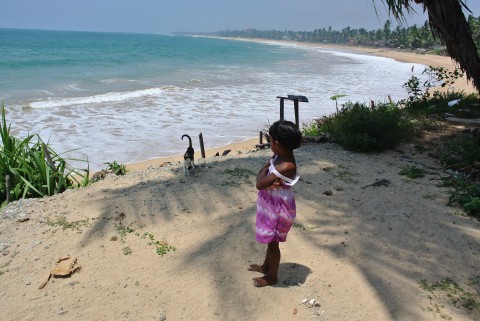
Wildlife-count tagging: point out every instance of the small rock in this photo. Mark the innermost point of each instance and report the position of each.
(33, 245)
(22, 217)
(311, 302)
(3, 246)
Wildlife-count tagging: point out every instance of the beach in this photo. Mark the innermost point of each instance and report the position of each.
(155, 244)
(128, 98)
(460, 84)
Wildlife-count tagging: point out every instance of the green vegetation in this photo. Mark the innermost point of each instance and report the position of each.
(299, 225)
(161, 247)
(413, 37)
(346, 176)
(465, 193)
(362, 128)
(311, 129)
(30, 168)
(412, 172)
(456, 294)
(124, 230)
(62, 221)
(461, 152)
(117, 169)
(239, 175)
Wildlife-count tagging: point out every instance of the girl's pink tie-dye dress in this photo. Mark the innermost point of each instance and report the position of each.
(275, 209)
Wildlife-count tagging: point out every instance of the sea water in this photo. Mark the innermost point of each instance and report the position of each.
(130, 97)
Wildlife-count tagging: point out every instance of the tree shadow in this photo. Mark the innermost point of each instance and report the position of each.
(389, 242)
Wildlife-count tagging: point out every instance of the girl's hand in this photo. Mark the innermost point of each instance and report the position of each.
(276, 183)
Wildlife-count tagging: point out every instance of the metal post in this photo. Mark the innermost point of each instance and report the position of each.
(202, 147)
(295, 105)
(282, 107)
(260, 138)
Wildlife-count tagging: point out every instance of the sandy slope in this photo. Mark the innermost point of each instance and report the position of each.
(360, 253)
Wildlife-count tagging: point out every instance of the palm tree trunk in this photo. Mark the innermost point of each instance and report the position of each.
(447, 20)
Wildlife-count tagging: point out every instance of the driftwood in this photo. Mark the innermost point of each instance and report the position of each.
(464, 121)
(7, 188)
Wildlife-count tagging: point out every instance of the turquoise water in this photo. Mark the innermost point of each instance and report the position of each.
(130, 97)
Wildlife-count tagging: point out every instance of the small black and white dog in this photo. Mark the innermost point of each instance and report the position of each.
(188, 157)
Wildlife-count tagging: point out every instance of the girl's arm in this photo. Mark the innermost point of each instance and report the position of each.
(264, 181)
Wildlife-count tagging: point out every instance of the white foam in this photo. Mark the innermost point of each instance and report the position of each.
(229, 105)
(96, 99)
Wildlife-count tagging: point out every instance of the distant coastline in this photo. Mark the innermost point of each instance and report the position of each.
(398, 55)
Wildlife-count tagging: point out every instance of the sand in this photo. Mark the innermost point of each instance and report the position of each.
(364, 238)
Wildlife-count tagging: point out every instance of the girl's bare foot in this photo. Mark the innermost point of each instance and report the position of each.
(264, 281)
(256, 268)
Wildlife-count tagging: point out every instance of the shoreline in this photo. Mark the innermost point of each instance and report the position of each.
(249, 144)
(235, 148)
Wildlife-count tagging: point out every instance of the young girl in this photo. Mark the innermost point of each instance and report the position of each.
(275, 202)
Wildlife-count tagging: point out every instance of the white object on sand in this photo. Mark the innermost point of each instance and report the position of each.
(453, 102)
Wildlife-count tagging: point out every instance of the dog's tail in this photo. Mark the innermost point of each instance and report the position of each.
(189, 140)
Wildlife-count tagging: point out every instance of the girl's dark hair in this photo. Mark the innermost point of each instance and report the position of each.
(286, 134)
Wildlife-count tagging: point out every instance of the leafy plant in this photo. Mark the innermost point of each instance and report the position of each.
(458, 296)
(163, 248)
(422, 101)
(437, 77)
(65, 224)
(116, 168)
(311, 129)
(466, 193)
(412, 172)
(124, 230)
(238, 174)
(461, 152)
(364, 129)
(335, 98)
(30, 168)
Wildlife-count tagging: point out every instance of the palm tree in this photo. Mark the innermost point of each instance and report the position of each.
(447, 21)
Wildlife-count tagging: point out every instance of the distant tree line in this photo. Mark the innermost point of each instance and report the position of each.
(410, 38)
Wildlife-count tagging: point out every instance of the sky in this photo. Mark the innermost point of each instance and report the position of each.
(166, 16)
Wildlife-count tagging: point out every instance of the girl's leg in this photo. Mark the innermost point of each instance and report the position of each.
(264, 268)
(273, 258)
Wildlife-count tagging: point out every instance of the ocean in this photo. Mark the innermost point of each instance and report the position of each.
(130, 97)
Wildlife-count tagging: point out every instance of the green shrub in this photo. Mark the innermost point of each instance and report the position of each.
(361, 128)
(116, 168)
(311, 129)
(461, 152)
(466, 194)
(467, 107)
(423, 101)
(30, 168)
(412, 172)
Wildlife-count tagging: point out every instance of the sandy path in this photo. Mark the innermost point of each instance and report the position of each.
(360, 253)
